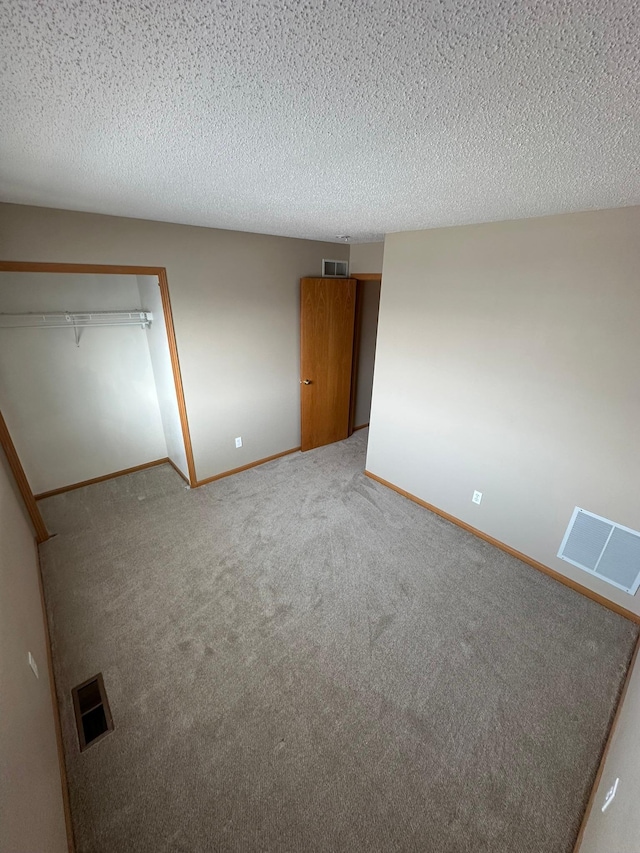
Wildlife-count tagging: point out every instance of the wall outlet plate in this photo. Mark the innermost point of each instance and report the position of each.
(477, 497)
(238, 441)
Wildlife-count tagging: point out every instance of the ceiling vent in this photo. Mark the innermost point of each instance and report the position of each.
(605, 549)
(335, 269)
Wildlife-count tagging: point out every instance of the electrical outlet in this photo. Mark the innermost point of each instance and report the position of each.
(477, 497)
(33, 665)
(238, 441)
(608, 797)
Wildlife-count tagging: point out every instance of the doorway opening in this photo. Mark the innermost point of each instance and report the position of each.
(365, 337)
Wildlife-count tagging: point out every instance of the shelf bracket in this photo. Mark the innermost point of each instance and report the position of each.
(71, 319)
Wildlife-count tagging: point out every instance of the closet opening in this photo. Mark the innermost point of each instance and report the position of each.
(90, 382)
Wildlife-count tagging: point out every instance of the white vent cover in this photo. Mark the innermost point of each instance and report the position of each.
(603, 548)
(335, 269)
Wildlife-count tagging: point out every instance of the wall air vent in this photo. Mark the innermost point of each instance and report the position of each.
(335, 269)
(605, 549)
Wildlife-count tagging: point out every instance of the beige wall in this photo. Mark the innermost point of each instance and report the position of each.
(235, 299)
(507, 361)
(75, 413)
(618, 829)
(365, 257)
(31, 810)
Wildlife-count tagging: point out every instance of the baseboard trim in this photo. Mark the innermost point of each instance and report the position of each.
(362, 426)
(577, 587)
(56, 712)
(246, 467)
(178, 471)
(605, 751)
(104, 477)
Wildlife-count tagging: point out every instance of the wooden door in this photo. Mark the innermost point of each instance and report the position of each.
(327, 315)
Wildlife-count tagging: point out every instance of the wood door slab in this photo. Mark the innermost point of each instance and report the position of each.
(327, 315)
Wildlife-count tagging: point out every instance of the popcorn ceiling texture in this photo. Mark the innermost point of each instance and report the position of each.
(319, 118)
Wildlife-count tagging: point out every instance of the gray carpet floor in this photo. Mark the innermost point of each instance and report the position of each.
(299, 659)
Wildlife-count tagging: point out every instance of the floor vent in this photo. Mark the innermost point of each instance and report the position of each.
(603, 548)
(334, 269)
(93, 715)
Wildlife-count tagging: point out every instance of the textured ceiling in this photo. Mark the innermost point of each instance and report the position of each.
(314, 118)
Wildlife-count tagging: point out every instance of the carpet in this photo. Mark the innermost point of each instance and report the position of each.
(299, 659)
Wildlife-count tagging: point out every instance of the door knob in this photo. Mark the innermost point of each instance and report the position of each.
(305, 381)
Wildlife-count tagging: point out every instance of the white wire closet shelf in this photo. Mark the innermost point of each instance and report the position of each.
(76, 320)
(67, 319)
